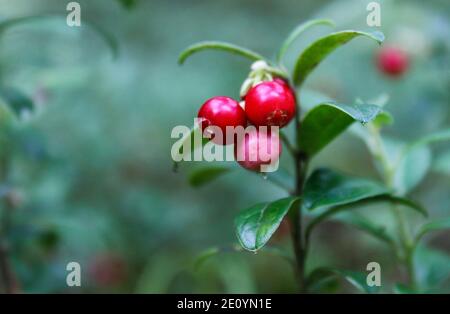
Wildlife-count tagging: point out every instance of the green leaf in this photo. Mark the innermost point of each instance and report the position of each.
(382, 119)
(440, 136)
(208, 253)
(366, 225)
(255, 225)
(204, 175)
(106, 36)
(432, 268)
(326, 121)
(297, 32)
(16, 100)
(379, 198)
(411, 169)
(211, 252)
(442, 163)
(438, 225)
(414, 161)
(326, 188)
(280, 178)
(217, 45)
(6, 117)
(356, 279)
(317, 51)
(128, 4)
(402, 289)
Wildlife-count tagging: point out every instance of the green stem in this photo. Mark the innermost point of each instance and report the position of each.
(288, 144)
(297, 227)
(410, 267)
(296, 214)
(406, 250)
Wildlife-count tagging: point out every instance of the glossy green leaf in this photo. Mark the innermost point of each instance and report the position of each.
(255, 225)
(204, 175)
(300, 29)
(16, 100)
(326, 188)
(310, 58)
(106, 36)
(326, 121)
(382, 119)
(217, 45)
(356, 279)
(438, 225)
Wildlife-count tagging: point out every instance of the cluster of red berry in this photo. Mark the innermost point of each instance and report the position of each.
(267, 103)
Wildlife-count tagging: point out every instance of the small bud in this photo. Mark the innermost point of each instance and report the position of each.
(259, 65)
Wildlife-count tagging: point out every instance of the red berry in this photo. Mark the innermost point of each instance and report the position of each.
(257, 148)
(270, 103)
(108, 269)
(221, 111)
(281, 81)
(392, 61)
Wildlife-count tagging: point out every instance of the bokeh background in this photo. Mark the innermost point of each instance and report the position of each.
(91, 175)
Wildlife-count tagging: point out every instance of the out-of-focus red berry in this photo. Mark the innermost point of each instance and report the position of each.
(392, 61)
(108, 270)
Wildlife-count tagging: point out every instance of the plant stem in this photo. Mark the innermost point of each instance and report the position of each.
(296, 215)
(409, 260)
(406, 243)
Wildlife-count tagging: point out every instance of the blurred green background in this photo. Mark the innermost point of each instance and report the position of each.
(92, 174)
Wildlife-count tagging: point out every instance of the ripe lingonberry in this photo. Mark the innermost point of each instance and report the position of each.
(257, 148)
(270, 103)
(392, 61)
(221, 111)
